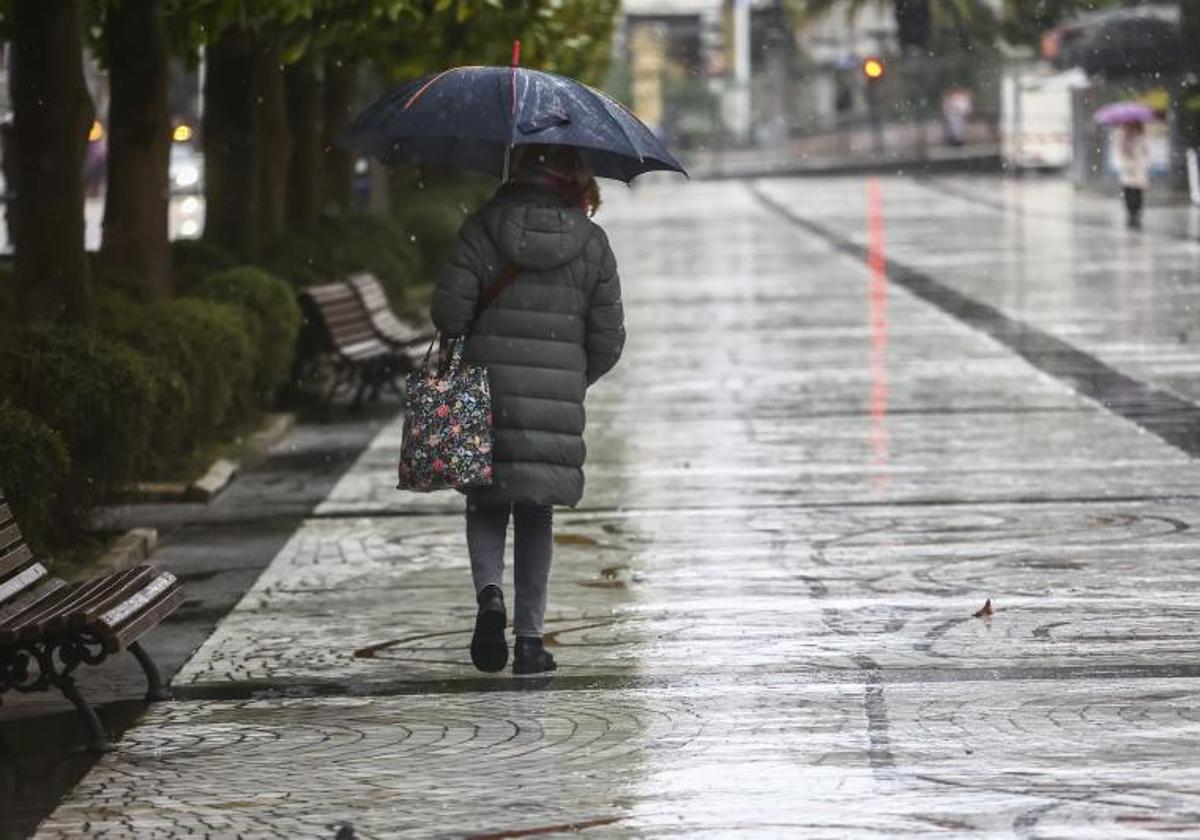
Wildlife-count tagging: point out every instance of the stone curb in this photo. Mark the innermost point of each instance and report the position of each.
(274, 429)
(219, 476)
(132, 548)
(222, 471)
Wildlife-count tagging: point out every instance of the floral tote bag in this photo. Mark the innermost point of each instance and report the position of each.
(448, 426)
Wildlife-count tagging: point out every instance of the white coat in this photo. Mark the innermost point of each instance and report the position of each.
(1133, 159)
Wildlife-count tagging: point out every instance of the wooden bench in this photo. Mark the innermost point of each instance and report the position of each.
(49, 627)
(347, 336)
(403, 338)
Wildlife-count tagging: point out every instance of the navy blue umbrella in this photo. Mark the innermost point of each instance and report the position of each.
(468, 117)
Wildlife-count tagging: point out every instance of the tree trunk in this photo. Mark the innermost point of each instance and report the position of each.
(52, 114)
(338, 167)
(136, 240)
(231, 183)
(272, 145)
(304, 164)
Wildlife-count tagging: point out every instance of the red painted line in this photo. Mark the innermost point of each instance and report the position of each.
(877, 303)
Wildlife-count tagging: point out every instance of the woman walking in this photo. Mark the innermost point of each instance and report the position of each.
(1133, 169)
(555, 328)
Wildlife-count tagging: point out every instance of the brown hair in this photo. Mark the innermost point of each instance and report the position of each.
(562, 167)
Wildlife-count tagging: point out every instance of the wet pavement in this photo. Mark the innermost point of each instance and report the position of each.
(850, 411)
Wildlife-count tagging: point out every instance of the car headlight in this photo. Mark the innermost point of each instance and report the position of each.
(187, 175)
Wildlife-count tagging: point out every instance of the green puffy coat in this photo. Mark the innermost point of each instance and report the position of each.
(557, 329)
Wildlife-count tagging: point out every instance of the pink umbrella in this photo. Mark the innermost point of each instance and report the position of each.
(1119, 113)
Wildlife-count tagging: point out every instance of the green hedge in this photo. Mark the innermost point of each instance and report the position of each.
(194, 259)
(274, 321)
(342, 245)
(218, 340)
(432, 217)
(33, 471)
(172, 364)
(99, 394)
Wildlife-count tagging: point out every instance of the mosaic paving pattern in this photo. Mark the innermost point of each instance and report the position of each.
(802, 483)
(686, 761)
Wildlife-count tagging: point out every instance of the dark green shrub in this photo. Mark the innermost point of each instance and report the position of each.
(298, 260)
(343, 245)
(432, 217)
(33, 472)
(275, 320)
(216, 340)
(169, 361)
(374, 243)
(206, 343)
(195, 259)
(99, 394)
(110, 280)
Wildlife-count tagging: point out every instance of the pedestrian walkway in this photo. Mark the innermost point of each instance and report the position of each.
(813, 467)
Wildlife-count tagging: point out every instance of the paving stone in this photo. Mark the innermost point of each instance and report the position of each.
(804, 480)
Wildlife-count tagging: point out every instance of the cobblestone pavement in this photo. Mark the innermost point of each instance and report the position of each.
(843, 422)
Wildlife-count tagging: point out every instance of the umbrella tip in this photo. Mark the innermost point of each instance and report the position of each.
(516, 56)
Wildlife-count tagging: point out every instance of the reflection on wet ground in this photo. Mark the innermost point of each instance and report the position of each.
(851, 412)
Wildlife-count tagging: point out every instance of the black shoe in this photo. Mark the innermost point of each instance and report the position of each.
(529, 657)
(489, 648)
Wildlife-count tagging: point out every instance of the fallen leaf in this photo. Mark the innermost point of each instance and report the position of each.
(574, 539)
(986, 610)
(604, 584)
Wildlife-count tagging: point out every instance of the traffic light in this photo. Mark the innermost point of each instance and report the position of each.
(873, 69)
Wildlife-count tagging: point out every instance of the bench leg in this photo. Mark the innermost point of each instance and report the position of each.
(99, 738)
(156, 692)
(365, 377)
(342, 375)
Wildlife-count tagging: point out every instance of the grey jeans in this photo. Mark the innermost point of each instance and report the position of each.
(533, 550)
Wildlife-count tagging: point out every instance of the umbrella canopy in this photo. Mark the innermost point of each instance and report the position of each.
(1129, 43)
(467, 118)
(1117, 113)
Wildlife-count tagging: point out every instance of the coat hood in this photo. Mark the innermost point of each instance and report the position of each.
(532, 227)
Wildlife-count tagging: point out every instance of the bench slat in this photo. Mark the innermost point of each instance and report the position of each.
(118, 613)
(115, 588)
(30, 622)
(45, 588)
(6, 514)
(129, 632)
(9, 535)
(17, 584)
(13, 559)
(370, 291)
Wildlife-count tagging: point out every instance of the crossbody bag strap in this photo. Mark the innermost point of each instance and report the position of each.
(507, 275)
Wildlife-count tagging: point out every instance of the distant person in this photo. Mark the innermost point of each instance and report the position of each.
(1133, 169)
(547, 337)
(957, 106)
